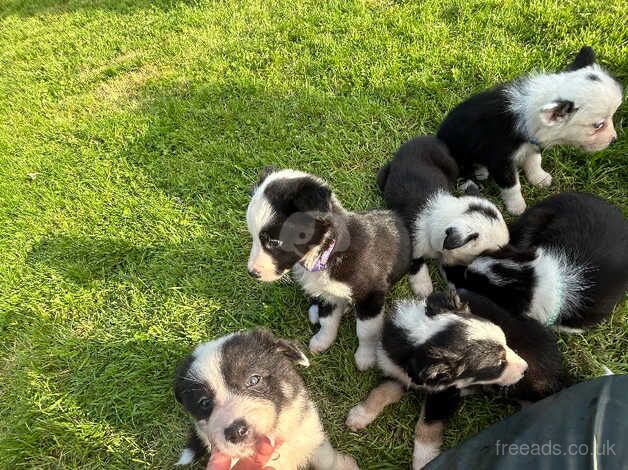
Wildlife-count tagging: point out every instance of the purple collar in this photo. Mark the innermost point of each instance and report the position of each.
(321, 262)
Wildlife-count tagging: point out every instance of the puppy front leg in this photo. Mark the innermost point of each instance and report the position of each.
(369, 326)
(507, 179)
(328, 458)
(363, 414)
(428, 435)
(419, 278)
(534, 173)
(329, 318)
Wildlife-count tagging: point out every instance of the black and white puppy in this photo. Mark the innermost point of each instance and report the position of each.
(339, 258)
(567, 264)
(244, 386)
(417, 184)
(439, 346)
(496, 131)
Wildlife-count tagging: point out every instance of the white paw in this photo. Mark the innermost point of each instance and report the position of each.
(481, 173)
(346, 462)
(320, 342)
(423, 454)
(516, 207)
(312, 314)
(542, 180)
(186, 457)
(364, 358)
(421, 285)
(358, 418)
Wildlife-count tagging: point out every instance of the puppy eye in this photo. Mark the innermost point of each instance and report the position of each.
(253, 380)
(599, 125)
(273, 243)
(205, 403)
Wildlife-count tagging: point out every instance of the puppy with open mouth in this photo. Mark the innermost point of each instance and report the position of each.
(341, 259)
(499, 130)
(245, 387)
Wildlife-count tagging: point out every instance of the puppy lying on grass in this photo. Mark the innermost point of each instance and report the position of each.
(439, 346)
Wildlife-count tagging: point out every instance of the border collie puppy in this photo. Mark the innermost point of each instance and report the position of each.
(417, 184)
(244, 386)
(339, 258)
(567, 265)
(439, 346)
(499, 130)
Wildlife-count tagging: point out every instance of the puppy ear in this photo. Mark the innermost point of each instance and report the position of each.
(312, 196)
(557, 112)
(438, 372)
(440, 302)
(292, 352)
(585, 58)
(266, 172)
(457, 304)
(454, 239)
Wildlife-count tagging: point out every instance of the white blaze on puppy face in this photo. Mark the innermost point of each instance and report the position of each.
(571, 108)
(471, 226)
(514, 366)
(258, 214)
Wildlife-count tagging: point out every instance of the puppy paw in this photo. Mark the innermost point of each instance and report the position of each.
(320, 342)
(358, 418)
(542, 180)
(364, 358)
(346, 462)
(424, 453)
(312, 314)
(516, 207)
(421, 285)
(186, 457)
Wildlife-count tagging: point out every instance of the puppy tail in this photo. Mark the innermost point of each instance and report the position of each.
(382, 176)
(194, 449)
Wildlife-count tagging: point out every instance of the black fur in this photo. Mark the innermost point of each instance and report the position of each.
(590, 232)
(449, 355)
(585, 58)
(482, 129)
(532, 341)
(421, 167)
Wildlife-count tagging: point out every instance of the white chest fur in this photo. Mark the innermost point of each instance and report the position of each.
(319, 284)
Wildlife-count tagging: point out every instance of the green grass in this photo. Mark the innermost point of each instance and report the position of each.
(146, 123)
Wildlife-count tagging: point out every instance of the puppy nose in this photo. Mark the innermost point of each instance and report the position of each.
(254, 273)
(613, 140)
(237, 431)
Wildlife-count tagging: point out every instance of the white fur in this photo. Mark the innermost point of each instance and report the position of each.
(594, 100)
(513, 199)
(186, 457)
(410, 315)
(558, 285)
(443, 211)
(368, 332)
(319, 284)
(424, 453)
(359, 417)
(326, 336)
(312, 314)
(421, 282)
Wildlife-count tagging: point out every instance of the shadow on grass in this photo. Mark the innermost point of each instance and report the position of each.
(57, 7)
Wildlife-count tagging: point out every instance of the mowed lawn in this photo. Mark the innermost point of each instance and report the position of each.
(130, 134)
